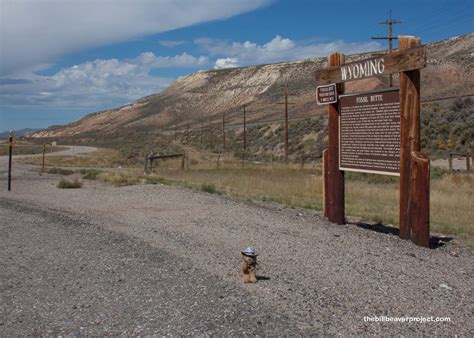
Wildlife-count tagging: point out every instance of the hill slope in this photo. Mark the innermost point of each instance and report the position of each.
(208, 95)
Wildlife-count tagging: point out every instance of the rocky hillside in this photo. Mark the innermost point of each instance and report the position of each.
(208, 95)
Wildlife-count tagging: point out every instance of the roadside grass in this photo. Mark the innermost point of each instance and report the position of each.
(101, 158)
(209, 188)
(60, 171)
(368, 197)
(28, 149)
(90, 174)
(119, 178)
(66, 184)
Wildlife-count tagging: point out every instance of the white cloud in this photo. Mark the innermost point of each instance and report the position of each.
(171, 43)
(35, 32)
(96, 83)
(226, 63)
(183, 60)
(279, 49)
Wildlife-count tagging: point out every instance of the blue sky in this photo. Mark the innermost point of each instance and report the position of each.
(62, 59)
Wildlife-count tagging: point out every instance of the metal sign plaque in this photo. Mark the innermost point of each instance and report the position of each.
(369, 132)
(326, 94)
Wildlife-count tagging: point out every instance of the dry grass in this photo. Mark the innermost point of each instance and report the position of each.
(65, 184)
(60, 171)
(28, 149)
(377, 200)
(119, 178)
(102, 158)
(450, 201)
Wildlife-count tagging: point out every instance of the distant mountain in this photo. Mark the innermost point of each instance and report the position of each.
(200, 100)
(20, 133)
(207, 95)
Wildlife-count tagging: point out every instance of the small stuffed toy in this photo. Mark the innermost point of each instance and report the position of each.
(249, 265)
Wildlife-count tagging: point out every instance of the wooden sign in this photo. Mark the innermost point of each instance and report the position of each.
(326, 94)
(400, 61)
(369, 132)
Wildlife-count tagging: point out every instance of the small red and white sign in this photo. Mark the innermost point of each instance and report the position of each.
(326, 94)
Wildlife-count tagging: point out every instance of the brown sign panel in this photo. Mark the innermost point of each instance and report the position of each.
(395, 62)
(369, 132)
(326, 94)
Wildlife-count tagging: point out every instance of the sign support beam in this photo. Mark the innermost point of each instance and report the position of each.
(412, 205)
(334, 194)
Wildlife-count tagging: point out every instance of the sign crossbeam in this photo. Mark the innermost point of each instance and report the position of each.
(400, 61)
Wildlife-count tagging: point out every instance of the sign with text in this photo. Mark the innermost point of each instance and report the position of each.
(369, 132)
(402, 60)
(326, 94)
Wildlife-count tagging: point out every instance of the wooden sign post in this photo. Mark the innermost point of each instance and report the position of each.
(335, 177)
(412, 167)
(10, 153)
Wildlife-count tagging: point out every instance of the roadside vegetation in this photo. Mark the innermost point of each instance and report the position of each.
(446, 127)
(368, 197)
(103, 158)
(60, 171)
(90, 174)
(24, 148)
(66, 184)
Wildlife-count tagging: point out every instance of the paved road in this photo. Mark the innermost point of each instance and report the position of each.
(21, 171)
(154, 259)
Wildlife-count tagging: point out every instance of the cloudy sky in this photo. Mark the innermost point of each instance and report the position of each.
(62, 59)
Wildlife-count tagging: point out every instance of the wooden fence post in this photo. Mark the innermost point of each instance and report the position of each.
(450, 162)
(182, 161)
(409, 133)
(335, 177)
(44, 154)
(468, 162)
(420, 199)
(325, 183)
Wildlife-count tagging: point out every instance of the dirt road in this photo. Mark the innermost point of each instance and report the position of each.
(157, 259)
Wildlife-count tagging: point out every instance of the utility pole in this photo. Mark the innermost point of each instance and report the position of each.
(44, 154)
(245, 131)
(390, 24)
(187, 133)
(202, 128)
(210, 133)
(223, 132)
(286, 103)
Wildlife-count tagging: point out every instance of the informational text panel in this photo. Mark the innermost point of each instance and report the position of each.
(369, 136)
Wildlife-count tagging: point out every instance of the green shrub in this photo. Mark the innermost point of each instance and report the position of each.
(65, 184)
(118, 179)
(60, 171)
(209, 188)
(437, 173)
(90, 174)
(155, 180)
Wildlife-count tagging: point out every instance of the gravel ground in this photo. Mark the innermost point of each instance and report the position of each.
(159, 259)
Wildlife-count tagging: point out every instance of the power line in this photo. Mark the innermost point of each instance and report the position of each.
(389, 23)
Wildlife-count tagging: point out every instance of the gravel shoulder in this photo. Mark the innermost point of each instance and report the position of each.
(318, 277)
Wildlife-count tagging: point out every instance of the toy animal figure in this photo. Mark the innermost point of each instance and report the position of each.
(249, 265)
